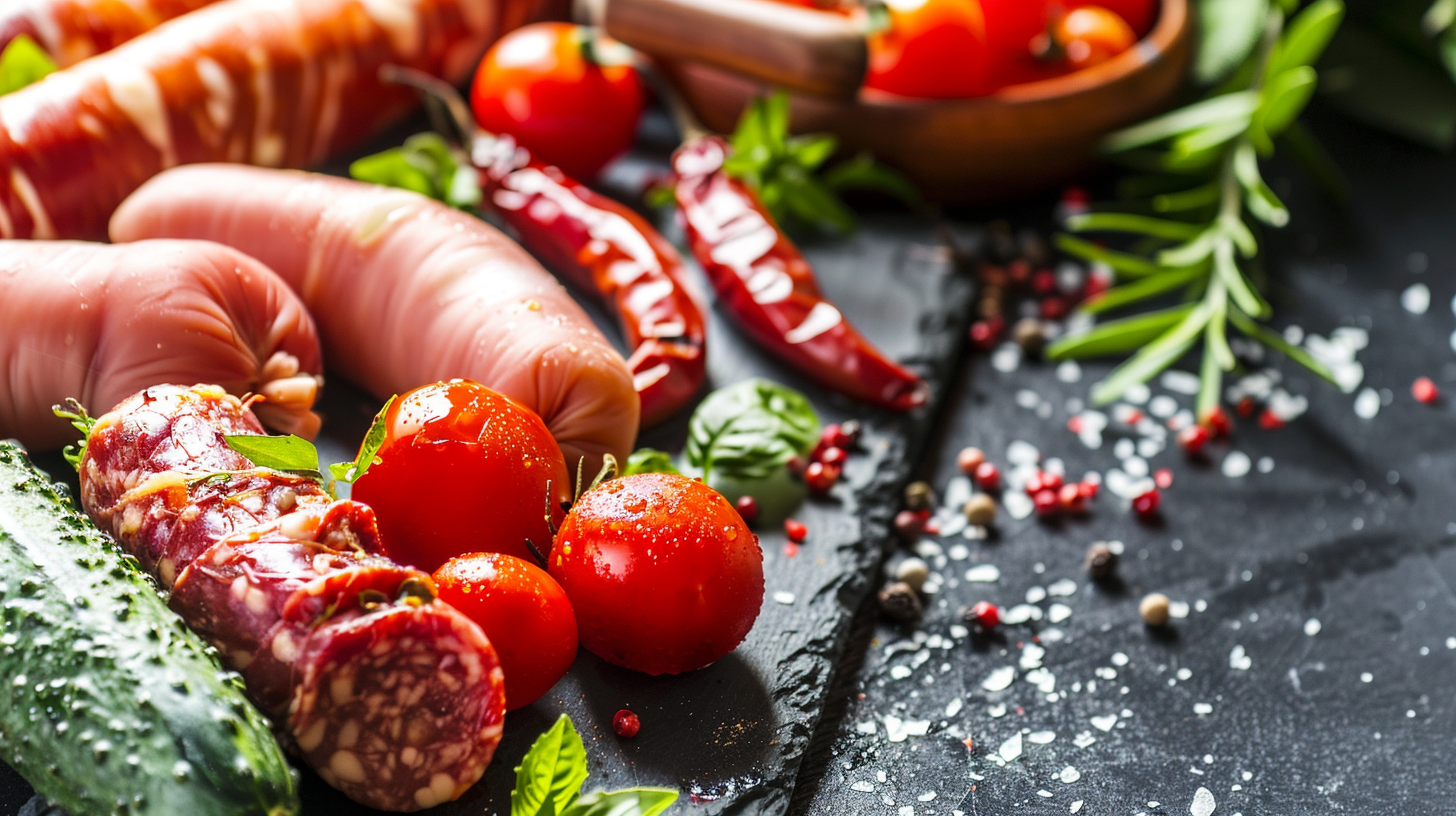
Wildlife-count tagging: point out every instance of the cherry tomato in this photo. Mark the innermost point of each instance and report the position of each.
(664, 575)
(1012, 26)
(1138, 14)
(934, 49)
(463, 469)
(1090, 36)
(572, 100)
(523, 612)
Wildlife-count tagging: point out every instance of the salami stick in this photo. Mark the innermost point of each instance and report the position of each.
(391, 696)
(268, 82)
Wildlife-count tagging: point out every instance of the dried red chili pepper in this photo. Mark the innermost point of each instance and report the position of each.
(766, 284)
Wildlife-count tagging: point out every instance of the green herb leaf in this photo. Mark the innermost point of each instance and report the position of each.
(811, 151)
(1154, 357)
(1144, 288)
(368, 449)
(649, 460)
(1231, 106)
(1130, 222)
(750, 430)
(1228, 31)
(1117, 336)
(1276, 341)
(81, 421)
(1306, 36)
(1130, 266)
(1285, 97)
(23, 63)
(291, 454)
(550, 776)
(1379, 85)
(629, 802)
(426, 164)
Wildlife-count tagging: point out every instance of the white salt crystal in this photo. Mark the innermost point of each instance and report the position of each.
(1179, 382)
(954, 707)
(1105, 722)
(1018, 505)
(1011, 748)
(1006, 358)
(1312, 627)
(1416, 298)
(1239, 660)
(785, 598)
(1022, 453)
(1069, 775)
(1203, 803)
(1057, 613)
(1069, 371)
(1000, 679)
(1367, 404)
(1237, 464)
(983, 574)
(1042, 737)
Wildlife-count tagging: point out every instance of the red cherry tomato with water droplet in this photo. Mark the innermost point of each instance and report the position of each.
(463, 469)
(1138, 14)
(664, 575)
(932, 49)
(523, 611)
(1092, 35)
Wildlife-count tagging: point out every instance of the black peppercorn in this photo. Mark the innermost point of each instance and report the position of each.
(899, 602)
(919, 496)
(1101, 561)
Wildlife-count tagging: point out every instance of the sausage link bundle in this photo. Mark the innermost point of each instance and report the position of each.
(72, 30)
(393, 697)
(269, 82)
(99, 322)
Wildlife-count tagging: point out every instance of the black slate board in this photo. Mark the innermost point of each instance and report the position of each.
(731, 736)
(1355, 527)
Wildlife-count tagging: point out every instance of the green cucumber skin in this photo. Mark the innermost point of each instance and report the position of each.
(108, 703)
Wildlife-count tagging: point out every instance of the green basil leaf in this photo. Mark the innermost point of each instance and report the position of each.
(1228, 31)
(425, 164)
(1306, 36)
(550, 776)
(1117, 336)
(629, 802)
(1133, 223)
(392, 169)
(864, 173)
(812, 203)
(290, 453)
(749, 430)
(368, 449)
(776, 122)
(649, 460)
(23, 63)
(1154, 357)
(1198, 115)
(811, 151)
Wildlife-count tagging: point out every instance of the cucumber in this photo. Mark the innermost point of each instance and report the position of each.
(108, 703)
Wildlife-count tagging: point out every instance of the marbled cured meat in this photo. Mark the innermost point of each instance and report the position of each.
(395, 698)
(269, 82)
(99, 322)
(72, 30)
(408, 291)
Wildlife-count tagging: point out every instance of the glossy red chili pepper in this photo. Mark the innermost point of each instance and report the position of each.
(603, 246)
(767, 285)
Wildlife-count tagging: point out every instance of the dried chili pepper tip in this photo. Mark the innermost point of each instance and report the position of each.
(909, 526)
(1100, 561)
(1155, 609)
(969, 459)
(987, 476)
(626, 724)
(1425, 391)
(796, 531)
(1146, 504)
(984, 614)
(747, 507)
(1193, 438)
(898, 601)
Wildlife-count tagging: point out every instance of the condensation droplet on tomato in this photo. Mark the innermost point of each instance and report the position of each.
(636, 504)
(730, 532)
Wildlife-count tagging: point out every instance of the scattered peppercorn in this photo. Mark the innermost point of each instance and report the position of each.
(909, 526)
(1030, 334)
(1163, 478)
(1154, 609)
(984, 614)
(1270, 421)
(969, 459)
(985, 333)
(913, 571)
(1425, 391)
(1101, 561)
(747, 509)
(1146, 505)
(849, 431)
(1069, 497)
(1192, 439)
(919, 496)
(820, 476)
(796, 531)
(626, 724)
(834, 456)
(1046, 502)
(980, 510)
(987, 476)
(898, 601)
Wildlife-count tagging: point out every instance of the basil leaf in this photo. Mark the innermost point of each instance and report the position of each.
(629, 802)
(425, 164)
(368, 449)
(1228, 31)
(649, 460)
(23, 63)
(811, 151)
(748, 431)
(290, 453)
(864, 173)
(550, 776)
(813, 203)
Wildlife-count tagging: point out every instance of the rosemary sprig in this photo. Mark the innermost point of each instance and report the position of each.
(1208, 192)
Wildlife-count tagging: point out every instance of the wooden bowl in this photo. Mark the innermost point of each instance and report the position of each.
(1019, 140)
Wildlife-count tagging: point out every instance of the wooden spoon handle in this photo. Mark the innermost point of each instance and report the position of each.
(799, 48)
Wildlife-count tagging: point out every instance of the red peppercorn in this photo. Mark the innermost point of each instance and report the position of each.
(1020, 271)
(1192, 439)
(1046, 503)
(1055, 308)
(1147, 504)
(985, 333)
(834, 456)
(1270, 421)
(1217, 421)
(1163, 478)
(1034, 484)
(969, 459)
(987, 476)
(1075, 424)
(626, 724)
(790, 549)
(820, 476)
(909, 525)
(796, 531)
(1087, 490)
(1069, 496)
(1095, 286)
(985, 615)
(1051, 481)
(1044, 282)
(1246, 407)
(747, 508)
(1425, 391)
